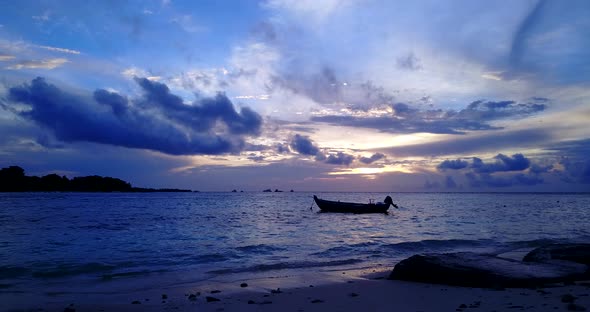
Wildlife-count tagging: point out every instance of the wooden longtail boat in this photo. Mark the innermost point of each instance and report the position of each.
(337, 206)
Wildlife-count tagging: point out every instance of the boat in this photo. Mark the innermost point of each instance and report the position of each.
(338, 206)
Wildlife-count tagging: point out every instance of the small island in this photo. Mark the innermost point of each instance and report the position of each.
(13, 179)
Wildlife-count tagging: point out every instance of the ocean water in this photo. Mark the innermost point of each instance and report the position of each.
(53, 243)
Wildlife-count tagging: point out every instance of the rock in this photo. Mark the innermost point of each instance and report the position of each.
(211, 299)
(164, 296)
(192, 297)
(70, 309)
(136, 302)
(579, 253)
(567, 298)
(215, 291)
(243, 285)
(575, 307)
(482, 270)
(251, 302)
(276, 291)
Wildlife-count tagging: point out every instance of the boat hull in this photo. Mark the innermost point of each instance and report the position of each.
(336, 206)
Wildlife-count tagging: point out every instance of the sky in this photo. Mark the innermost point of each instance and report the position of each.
(331, 95)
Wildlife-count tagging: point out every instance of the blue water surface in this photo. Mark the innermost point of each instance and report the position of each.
(51, 241)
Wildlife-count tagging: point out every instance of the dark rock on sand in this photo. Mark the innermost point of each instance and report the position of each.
(215, 291)
(251, 302)
(70, 309)
(211, 299)
(164, 296)
(575, 307)
(579, 253)
(567, 298)
(244, 285)
(136, 302)
(192, 297)
(482, 270)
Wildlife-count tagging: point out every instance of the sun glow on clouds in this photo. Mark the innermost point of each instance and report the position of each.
(372, 171)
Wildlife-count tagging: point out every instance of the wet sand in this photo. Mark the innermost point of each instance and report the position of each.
(338, 291)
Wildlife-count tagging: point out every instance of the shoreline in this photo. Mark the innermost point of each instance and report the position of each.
(334, 291)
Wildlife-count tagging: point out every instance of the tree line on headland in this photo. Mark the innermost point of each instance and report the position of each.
(13, 179)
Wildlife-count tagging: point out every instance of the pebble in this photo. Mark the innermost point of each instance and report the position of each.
(211, 299)
(244, 285)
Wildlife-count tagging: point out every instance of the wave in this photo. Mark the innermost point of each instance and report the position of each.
(438, 245)
(73, 269)
(13, 272)
(214, 257)
(287, 265)
(260, 249)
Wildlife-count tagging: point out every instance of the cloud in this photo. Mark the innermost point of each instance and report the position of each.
(453, 164)
(405, 119)
(303, 145)
(482, 174)
(283, 148)
(487, 180)
(503, 163)
(56, 49)
(339, 159)
(517, 162)
(578, 170)
(372, 159)
(42, 64)
(157, 121)
(473, 143)
(409, 62)
(523, 31)
(4, 57)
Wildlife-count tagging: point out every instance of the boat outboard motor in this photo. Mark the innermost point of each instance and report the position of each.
(388, 200)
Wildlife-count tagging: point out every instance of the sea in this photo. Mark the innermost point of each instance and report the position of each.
(68, 243)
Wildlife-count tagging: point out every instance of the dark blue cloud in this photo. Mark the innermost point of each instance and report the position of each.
(453, 164)
(517, 162)
(476, 116)
(503, 163)
(205, 114)
(339, 159)
(372, 159)
(578, 171)
(170, 126)
(482, 174)
(575, 158)
(303, 145)
(488, 180)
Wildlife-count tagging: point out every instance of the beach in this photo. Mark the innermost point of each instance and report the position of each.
(69, 251)
(337, 291)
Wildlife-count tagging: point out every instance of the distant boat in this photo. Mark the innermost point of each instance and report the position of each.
(337, 206)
